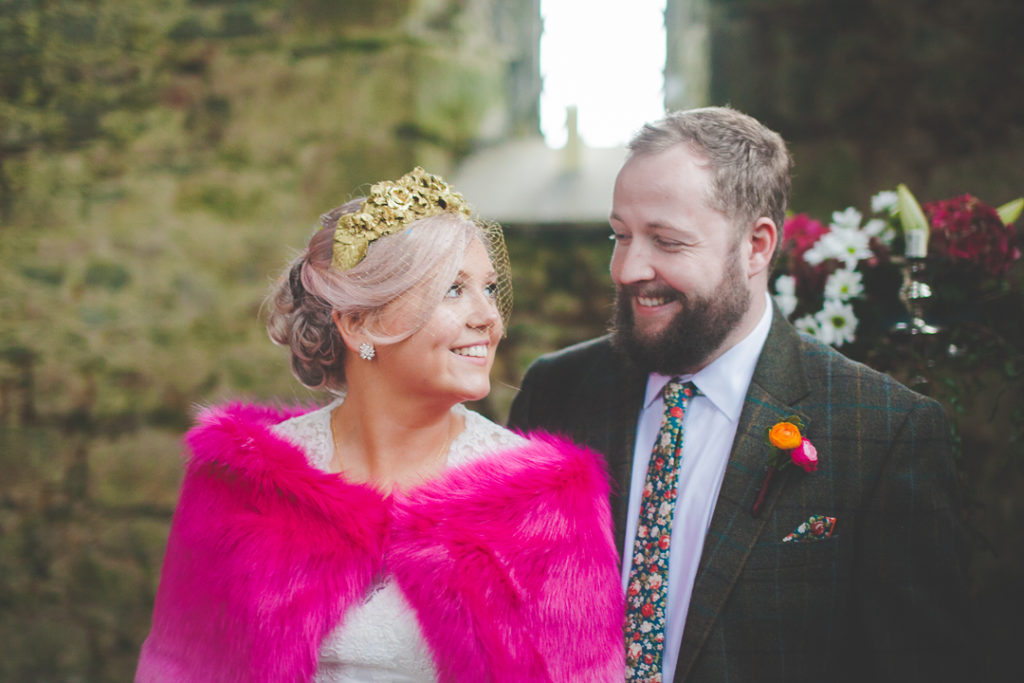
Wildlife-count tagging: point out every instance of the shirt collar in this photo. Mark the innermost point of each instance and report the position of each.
(726, 379)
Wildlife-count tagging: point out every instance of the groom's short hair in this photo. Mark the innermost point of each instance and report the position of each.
(749, 163)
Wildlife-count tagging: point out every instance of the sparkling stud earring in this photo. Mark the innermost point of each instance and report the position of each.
(366, 351)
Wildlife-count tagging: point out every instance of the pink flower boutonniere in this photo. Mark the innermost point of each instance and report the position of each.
(788, 446)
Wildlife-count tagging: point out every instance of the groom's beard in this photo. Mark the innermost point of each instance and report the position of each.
(693, 335)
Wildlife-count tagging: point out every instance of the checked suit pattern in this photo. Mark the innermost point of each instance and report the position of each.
(885, 596)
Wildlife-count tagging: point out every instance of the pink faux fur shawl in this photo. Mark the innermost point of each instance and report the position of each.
(508, 562)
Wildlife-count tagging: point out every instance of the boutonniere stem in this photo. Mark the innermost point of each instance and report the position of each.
(762, 491)
(788, 446)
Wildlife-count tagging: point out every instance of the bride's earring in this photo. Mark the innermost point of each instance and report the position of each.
(366, 351)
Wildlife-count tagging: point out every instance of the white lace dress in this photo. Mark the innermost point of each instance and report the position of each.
(380, 639)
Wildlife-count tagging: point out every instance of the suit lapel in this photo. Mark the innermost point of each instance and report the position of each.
(778, 383)
(625, 397)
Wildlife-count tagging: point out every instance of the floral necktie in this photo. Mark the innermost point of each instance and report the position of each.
(647, 591)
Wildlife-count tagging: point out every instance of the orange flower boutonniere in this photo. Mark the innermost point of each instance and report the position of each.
(788, 445)
(785, 435)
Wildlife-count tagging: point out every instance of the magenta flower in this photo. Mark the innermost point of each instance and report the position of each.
(802, 231)
(966, 230)
(805, 455)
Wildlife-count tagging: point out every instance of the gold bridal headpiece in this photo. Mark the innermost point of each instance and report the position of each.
(389, 206)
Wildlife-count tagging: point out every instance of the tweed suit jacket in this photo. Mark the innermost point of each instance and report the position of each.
(883, 599)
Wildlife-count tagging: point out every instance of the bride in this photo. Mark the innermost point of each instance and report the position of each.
(391, 534)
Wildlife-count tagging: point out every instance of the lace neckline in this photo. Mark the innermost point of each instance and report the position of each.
(312, 432)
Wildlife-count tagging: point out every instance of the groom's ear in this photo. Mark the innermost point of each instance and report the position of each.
(760, 246)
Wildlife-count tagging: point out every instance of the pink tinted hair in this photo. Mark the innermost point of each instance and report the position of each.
(419, 261)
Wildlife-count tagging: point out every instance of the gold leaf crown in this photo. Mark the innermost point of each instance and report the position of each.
(389, 206)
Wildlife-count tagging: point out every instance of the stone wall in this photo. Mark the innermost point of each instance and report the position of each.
(159, 164)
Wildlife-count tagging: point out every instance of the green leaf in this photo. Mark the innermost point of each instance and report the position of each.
(1010, 211)
(777, 459)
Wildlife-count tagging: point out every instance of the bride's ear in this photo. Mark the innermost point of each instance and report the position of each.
(351, 330)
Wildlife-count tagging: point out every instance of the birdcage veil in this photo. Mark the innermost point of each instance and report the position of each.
(417, 265)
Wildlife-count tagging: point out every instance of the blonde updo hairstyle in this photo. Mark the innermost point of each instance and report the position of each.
(420, 260)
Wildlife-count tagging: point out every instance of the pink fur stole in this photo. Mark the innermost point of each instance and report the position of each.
(508, 562)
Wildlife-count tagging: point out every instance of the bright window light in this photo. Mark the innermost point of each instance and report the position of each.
(606, 57)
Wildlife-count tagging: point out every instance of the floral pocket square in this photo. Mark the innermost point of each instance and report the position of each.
(816, 528)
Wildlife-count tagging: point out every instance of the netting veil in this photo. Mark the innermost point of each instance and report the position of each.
(405, 241)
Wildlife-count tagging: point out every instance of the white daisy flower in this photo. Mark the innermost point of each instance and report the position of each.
(847, 219)
(785, 297)
(818, 252)
(874, 227)
(829, 245)
(844, 284)
(807, 325)
(786, 284)
(786, 303)
(850, 246)
(838, 322)
(885, 201)
(843, 244)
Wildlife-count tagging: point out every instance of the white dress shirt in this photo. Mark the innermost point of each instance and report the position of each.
(708, 432)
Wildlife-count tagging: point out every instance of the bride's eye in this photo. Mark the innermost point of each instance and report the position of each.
(454, 291)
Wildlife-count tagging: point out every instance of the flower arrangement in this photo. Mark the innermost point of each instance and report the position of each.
(826, 271)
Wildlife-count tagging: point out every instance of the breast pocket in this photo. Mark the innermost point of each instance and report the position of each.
(814, 562)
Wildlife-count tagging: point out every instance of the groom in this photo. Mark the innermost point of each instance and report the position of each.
(853, 571)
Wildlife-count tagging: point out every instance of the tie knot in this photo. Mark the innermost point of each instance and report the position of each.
(677, 392)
